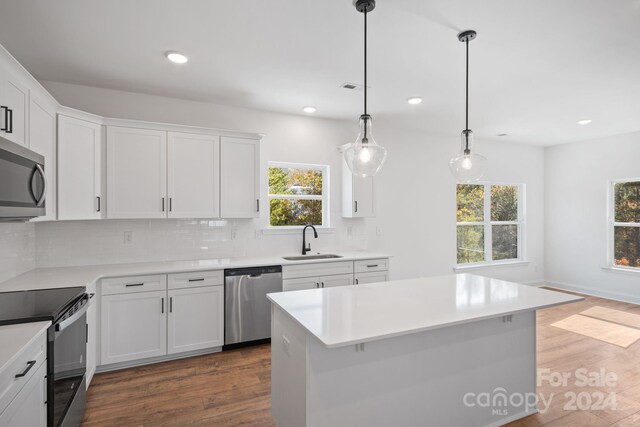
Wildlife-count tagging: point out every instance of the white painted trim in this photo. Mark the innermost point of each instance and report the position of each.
(622, 270)
(172, 127)
(616, 296)
(484, 265)
(296, 229)
(612, 224)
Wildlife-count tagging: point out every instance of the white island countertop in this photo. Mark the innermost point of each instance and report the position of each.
(67, 277)
(357, 314)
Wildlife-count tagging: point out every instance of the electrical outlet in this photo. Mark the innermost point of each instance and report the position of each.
(128, 237)
(234, 234)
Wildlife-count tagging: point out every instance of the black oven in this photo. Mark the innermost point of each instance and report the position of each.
(23, 185)
(66, 345)
(67, 365)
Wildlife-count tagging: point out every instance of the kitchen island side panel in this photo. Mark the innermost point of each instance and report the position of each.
(426, 378)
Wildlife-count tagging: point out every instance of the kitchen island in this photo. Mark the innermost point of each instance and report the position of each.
(456, 350)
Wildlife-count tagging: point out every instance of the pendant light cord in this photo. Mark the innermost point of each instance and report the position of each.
(365, 62)
(466, 132)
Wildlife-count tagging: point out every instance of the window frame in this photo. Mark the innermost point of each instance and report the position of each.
(487, 223)
(612, 224)
(324, 197)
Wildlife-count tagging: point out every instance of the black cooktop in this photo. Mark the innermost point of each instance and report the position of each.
(36, 305)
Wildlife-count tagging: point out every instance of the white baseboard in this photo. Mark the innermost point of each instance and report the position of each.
(616, 296)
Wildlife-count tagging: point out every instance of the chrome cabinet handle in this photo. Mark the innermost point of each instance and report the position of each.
(40, 200)
(10, 130)
(196, 280)
(99, 207)
(30, 364)
(356, 202)
(162, 305)
(372, 265)
(257, 205)
(170, 204)
(129, 285)
(163, 204)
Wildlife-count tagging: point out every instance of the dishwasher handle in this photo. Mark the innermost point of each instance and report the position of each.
(253, 272)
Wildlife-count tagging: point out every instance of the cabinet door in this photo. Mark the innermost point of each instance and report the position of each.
(133, 326)
(15, 97)
(335, 281)
(373, 277)
(29, 408)
(357, 195)
(196, 319)
(363, 197)
(136, 173)
(79, 169)
(92, 349)
(42, 140)
(300, 284)
(193, 175)
(239, 178)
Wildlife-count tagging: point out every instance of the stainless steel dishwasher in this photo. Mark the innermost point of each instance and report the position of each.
(247, 311)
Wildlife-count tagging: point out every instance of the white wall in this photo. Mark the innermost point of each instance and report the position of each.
(417, 206)
(416, 193)
(577, 177)
(17, 249)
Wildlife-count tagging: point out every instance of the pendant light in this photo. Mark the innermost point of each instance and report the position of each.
(467, 166)
(365, 157)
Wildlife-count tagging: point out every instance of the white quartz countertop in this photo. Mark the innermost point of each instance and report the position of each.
(15, 338)
(66, 277)
(356, 314)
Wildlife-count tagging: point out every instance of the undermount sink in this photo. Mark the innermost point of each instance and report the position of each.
(307, 257)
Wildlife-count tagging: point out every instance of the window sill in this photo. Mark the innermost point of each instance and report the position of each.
(462, 268)
(296, 230)
(622, 270)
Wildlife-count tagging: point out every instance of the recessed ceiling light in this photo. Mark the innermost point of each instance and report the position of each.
(309, 109)
(414, 100)
(584, 122)
(176, 57)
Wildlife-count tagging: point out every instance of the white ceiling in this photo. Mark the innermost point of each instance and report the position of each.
(536, 67)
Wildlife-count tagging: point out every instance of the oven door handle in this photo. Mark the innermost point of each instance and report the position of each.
(59, 327)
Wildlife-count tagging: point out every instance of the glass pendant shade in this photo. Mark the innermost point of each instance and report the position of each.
(468, 166)
(364, 157)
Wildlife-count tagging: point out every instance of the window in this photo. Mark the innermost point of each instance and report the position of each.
(625, 224)
(298, 195)
(489, 223)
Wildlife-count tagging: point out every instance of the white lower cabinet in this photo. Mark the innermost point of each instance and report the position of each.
(195, 319)
(92, 330)
(300, 284)
(146, 317)
(133, 326)
(335, 281)
(29, 408)
(373, 277)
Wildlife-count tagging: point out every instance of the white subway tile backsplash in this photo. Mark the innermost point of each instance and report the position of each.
(17, 249)
(71, 243)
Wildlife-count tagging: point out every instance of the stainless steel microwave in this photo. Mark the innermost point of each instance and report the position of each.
(23, 185)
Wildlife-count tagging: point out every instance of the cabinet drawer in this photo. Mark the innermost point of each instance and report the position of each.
(195, 280)
(371, 277)
(129, 285)
(27, 363)
(320, 269)
(362, 266)
(300, 284)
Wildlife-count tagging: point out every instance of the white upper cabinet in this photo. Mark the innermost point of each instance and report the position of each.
(79, 169)
(14, 105)
(193, 175)
(42, 140)
(239, 178)
(358, 195)
(136, 173)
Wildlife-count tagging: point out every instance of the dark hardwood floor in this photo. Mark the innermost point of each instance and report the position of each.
(233, 388)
